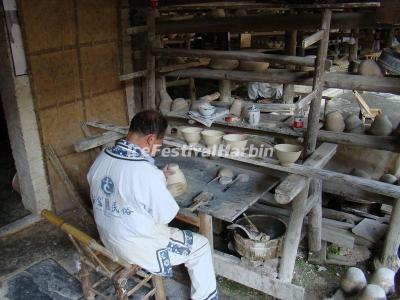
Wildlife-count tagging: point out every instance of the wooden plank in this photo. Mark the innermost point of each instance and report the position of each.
(232, 268)
(315, 217)
(206, 227)
(293, 184)
(331, 80)
(240, 55)
(188, 217)
(338, 237)
(97, 140)
(305, 102)
(346, 20)
(369, 229)
(75, 196)
(312, 39)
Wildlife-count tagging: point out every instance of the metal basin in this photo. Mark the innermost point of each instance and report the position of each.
(260, 250)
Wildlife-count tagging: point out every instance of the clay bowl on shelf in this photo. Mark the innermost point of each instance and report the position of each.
(235, 142)
(212, 137)
(287, 154)
(206, 110)
(192, 135)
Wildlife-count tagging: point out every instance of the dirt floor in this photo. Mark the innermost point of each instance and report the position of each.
(42, 241)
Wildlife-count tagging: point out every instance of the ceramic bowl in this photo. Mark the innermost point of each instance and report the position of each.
(235, 142)
(192, 135)
(287, 154)
(212, 137)
(206, 110)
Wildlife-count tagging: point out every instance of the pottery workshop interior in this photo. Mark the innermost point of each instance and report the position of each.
(172, 149)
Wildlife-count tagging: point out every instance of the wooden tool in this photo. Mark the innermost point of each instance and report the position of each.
(223, 172)
(200, 199)
(366, 111)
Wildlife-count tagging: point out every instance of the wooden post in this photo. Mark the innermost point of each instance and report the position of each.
(290, 47)
(292, 237)
(315, 218)
(192, 89)
(158, 285)
(314, 114)
(150, 95)
(225, 90)
(206, 228)
(389, 256)
(353, 50)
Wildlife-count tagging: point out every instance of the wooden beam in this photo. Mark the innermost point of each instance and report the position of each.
(290, 49)
(150, 93)
(240, 55)
(389, 256)
(137, 29)
(305, 102)
(331, 80)
(345, 20)
(97, 140)
(192, 64)
(232, 268)
(312, 39)
(311, 134)
(133, 75)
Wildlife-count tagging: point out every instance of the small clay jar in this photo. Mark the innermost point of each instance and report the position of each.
(334, 122)
(381, 126)
(372, 292)
(384, 277)
(370, 68)
(180, 104)
(236, 108)
(388, 178)
(352, 122)
(353, 281)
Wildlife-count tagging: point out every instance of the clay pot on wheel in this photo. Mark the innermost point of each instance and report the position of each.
(334, 122)
(176, 181)
(381, 126)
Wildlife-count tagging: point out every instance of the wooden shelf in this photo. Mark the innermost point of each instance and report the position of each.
(279, 129)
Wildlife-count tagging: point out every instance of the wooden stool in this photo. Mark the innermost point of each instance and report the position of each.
(93, 256)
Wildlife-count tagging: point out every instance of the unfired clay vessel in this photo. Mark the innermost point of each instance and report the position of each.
(223, 64)
(235, 142)
(166, 102)
(180, 104)
(236, 108)
(176, 181)
(384, 277)
(253, 66)
(370, 68)
(372, 292)
(216, 13)
(212, 137)
(388, 178)
(287, 154)
(381, 126)
(359, 173)
(334, 122)
(353, 280)
(192, 135)
(352, 122)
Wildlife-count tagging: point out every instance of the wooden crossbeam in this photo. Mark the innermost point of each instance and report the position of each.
(312, 39)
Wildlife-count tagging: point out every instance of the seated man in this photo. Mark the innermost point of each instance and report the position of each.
(132, 208)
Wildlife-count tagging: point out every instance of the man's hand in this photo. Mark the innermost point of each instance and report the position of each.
(167, 172)
(176, 189)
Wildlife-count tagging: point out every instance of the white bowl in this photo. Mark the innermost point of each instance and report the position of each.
(235, 142)
(287, 153)
(206, 110)
(192, 135)
(212, 137)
